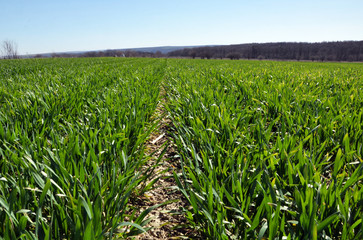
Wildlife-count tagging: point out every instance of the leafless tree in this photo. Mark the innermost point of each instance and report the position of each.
(10, 49)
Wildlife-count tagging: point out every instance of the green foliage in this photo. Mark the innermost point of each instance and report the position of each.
(269, 149)
(72, 135)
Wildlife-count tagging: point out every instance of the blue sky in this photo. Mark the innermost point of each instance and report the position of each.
(40, 26)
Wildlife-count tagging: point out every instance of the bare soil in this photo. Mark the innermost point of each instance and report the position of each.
(168, 221)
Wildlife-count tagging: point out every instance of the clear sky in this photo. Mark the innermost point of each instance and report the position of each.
(40, 26)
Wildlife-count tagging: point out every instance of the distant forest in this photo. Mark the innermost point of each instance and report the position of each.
(351, 51)
(325, 51)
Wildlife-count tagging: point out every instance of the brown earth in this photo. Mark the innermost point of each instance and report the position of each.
(168, 221)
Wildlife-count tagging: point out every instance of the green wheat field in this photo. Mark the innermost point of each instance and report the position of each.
(267, 150)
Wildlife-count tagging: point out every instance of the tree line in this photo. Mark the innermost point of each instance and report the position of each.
(325, 51)
(106, 53)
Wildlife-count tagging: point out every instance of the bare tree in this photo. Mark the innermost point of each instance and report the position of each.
(10, 49)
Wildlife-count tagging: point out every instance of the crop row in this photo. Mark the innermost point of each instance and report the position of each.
(269, 149)
(72, 135)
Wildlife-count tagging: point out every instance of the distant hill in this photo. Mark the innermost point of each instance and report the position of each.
(163, 50)
(111, 52)
(323, 51)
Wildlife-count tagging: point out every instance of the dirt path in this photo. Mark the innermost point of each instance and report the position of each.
(167, 222)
